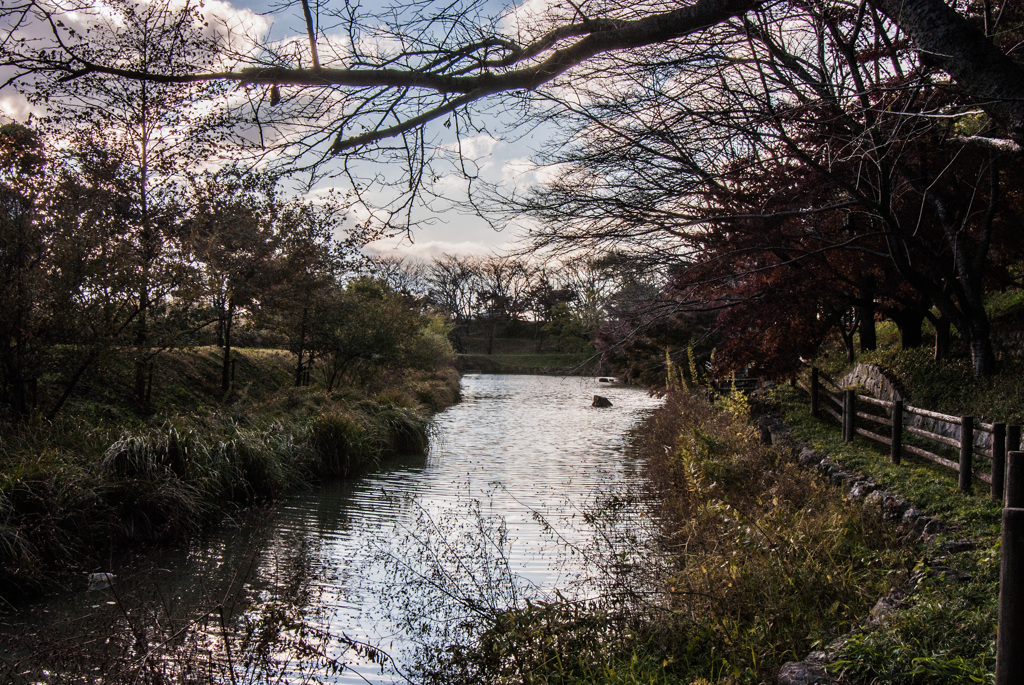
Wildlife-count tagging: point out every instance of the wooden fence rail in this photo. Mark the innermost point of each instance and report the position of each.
(854, 413)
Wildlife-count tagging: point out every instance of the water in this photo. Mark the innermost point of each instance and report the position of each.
(501, 509)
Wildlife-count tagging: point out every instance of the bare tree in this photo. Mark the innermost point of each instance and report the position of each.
(849, 153)
(404, 276)
(454, 283)
(504, 295)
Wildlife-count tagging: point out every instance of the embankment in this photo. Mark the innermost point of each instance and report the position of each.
(544, 364)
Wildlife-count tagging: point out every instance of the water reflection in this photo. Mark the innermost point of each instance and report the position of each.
(499, 510)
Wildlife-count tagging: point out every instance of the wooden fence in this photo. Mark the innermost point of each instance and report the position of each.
(887, 423)
(862, 415)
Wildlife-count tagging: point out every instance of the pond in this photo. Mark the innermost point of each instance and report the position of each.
(355, 580)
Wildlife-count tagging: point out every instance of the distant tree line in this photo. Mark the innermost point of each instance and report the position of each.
(560, 303)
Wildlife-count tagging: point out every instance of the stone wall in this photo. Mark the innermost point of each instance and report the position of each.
(1009, 343)
(874, 380)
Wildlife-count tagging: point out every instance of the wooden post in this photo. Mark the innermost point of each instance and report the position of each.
(998, 460)
(897, 432)
(846, 413)
(1010, 634)
(1014, 491)
(849, 415)
(966, 452)
(814, 392)
(1012, 438)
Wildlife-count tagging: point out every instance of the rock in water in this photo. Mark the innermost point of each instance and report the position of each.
(601, 401)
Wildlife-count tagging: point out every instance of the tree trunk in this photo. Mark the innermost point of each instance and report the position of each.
(17, 401)
(941, 325)
(864, 309)
(909, 323)
(225, 377)
(868, 334)
(847, 336)
(457, 334)
(983, 358)
(147, 255)
(301, 347)
(141, 343)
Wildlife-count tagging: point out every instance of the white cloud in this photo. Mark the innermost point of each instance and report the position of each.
(530, 19)
(15, 106)
(428, 250)
(473, 147)
(523, 171)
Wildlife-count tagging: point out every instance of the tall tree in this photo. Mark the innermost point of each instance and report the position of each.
(22, 248)
(157, 129)
(235, 235)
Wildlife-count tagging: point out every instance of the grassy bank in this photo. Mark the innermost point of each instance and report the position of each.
(945, 632)
(758, 562)
(101, 477)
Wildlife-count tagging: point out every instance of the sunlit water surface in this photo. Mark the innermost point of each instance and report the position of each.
(500, 509)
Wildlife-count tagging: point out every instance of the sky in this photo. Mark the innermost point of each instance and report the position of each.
(501, 160)
(447, 230)
(506, 162)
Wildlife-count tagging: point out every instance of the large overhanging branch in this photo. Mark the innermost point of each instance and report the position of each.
(491, 64)
(948, 40)
(516, 67)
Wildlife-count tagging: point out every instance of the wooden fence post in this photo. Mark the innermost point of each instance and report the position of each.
(897, 432)
(998, 460)
(814, 392)
(1014, 491)
(966, 452)
(1012, 438)
(1010, 635)
(849, 415)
